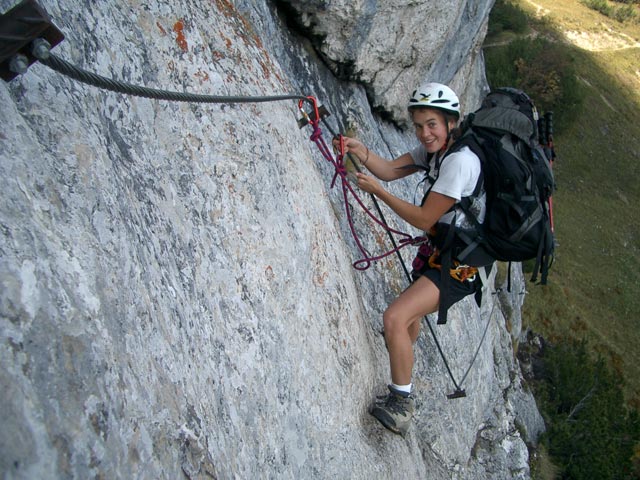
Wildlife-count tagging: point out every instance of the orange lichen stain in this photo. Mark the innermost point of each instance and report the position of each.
(268, 272)
(265, 71)
(226, 8)
(202, 76)
(161, 28)
(257, 40)
(380, 239)
(320, 278)
(271, 68)
(245, 32)
(178, 28)
(280, 79)
(227, 40)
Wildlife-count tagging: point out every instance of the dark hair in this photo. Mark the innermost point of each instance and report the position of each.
(448, 116)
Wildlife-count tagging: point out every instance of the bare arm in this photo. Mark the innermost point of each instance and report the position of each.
(382, 168)
(422, 217)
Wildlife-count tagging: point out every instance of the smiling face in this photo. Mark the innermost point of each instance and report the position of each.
(431, 128)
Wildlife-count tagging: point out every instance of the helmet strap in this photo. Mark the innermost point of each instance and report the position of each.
(446, 143)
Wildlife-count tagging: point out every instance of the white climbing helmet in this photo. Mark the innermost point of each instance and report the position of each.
(435, 95)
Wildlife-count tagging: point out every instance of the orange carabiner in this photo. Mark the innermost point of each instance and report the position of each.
(315, 118)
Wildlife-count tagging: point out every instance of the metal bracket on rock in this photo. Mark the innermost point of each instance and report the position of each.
(19, 28)
(459, 393)
(308, 117)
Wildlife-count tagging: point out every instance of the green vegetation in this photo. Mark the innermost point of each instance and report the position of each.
(506, 16)
(590, 432)
(545, 72)
(571, 61)
(621, 14)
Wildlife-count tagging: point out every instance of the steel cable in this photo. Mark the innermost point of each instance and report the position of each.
(65, 68)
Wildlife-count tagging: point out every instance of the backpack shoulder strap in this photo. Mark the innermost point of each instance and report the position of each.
(429, 176)
(469, 139)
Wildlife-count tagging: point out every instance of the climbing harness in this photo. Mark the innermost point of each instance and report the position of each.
(459, 272)
(430, 255)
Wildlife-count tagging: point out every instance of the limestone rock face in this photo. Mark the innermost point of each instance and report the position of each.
(392, 46)
(176, 291)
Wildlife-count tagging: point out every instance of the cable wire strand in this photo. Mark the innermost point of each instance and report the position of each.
(65, 68)
(484, 334)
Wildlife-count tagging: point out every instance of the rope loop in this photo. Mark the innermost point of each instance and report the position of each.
(316, 134)
(347, 190)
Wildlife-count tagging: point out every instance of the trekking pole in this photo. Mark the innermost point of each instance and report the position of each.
(548, 121)
(542, 132)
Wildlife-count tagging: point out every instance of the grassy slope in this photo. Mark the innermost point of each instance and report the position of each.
(594, 283)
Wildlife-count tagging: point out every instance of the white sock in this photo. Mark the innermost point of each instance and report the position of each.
(403, 388)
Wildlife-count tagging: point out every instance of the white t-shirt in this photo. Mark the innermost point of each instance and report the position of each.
(455, 176)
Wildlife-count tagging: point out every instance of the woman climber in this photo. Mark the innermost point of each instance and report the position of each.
(435, 111)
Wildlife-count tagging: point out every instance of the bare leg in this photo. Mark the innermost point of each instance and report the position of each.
(414, 331)
(402, 324)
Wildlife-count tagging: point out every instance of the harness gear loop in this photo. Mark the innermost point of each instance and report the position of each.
(458, 272)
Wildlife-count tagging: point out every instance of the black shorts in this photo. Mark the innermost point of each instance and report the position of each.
(457, 290)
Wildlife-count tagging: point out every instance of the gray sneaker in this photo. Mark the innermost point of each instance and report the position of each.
(394, 411)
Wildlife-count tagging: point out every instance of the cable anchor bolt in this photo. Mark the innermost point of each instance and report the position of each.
(19, 28)
(309, 117)
(459, 393)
